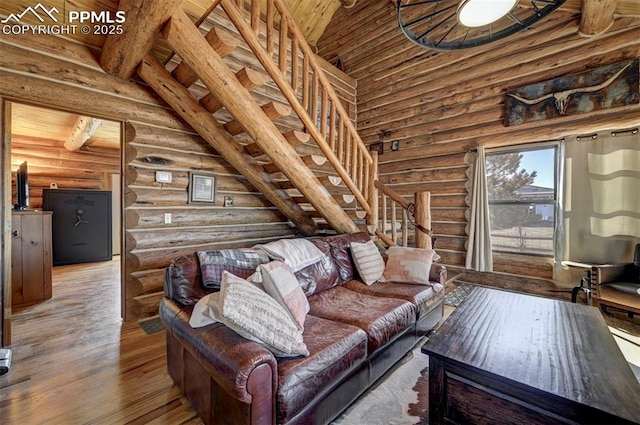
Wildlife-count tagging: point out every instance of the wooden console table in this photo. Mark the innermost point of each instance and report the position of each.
(31, 257)
(504, 358)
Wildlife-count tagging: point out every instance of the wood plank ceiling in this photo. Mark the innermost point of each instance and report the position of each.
(311, 15)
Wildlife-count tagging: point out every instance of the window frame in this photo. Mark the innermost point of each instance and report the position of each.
(553, 200)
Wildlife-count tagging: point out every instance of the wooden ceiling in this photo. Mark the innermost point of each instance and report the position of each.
(51, 125)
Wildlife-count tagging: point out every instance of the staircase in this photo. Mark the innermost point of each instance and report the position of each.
(320, 175)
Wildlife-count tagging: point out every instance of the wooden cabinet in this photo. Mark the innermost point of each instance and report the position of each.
(30, 257)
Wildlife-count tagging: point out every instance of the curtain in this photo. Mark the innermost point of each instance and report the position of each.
(602, 202)
(559, 231)
(479, 256)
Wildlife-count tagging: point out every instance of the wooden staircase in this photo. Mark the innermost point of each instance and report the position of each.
(319, 176)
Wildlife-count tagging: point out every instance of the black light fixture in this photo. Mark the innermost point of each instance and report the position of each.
(461, 24)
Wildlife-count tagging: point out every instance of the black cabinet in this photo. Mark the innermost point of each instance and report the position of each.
(81, 225)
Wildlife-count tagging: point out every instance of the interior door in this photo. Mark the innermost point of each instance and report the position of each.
(5, 211)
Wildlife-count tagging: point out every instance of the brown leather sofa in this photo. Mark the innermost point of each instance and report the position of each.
(354, 333)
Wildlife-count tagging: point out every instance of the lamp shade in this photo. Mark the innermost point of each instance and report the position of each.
(477, 13)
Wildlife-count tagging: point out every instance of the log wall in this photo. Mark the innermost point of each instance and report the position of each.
(53, 72)
(49, 162)
(439, 106)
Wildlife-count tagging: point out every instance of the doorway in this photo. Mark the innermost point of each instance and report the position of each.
(62, 150)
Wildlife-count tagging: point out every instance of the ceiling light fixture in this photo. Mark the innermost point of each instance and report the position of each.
(477, 13)
(460, 24)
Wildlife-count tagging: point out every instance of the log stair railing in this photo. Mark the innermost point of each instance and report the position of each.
(396, 214)
(290, 62)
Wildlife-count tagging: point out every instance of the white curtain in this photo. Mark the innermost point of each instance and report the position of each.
(602, 202)
(479, 255)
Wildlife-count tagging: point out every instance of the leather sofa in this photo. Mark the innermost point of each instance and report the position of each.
(354, 333)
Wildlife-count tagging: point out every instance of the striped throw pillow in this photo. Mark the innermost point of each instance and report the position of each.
(368, 261)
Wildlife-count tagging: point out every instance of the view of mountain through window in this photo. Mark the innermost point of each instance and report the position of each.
(522, 200)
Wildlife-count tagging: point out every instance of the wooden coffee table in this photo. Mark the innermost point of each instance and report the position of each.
(505, 358)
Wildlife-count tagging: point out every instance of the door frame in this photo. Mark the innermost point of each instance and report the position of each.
(6, 207)
(5, 210)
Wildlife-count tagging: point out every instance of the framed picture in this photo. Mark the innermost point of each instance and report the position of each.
(202, 187)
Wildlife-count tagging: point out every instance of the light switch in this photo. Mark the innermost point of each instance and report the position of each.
(167, 218)
(163, 177)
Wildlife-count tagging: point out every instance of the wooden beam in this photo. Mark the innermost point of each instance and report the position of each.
(186, 40)
(122, 53)
(597, 16)
(82, 131)
(212, 131)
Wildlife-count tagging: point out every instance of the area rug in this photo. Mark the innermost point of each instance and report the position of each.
(399, 399)
(459, 294)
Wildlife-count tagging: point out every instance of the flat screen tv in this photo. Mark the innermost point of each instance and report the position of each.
(22, 188)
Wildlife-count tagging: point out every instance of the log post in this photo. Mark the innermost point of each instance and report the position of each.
(597, 16)
(211, 130)
(373, 218)
(422, 216)
(122, 53)
(187, 41)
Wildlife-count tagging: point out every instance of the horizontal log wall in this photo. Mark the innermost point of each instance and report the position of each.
(49, 162)
(439, 106)
(49, 71)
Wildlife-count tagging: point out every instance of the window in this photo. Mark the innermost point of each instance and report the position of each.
(522, 199)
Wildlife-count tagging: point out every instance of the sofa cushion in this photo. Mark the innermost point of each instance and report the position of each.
(422, 296)
(256, 316)
(408, 265)
(383, 319)
(336, 349)
(182, 281)
(241, 262)
(368, 261)
(341, 252)
(321, 275)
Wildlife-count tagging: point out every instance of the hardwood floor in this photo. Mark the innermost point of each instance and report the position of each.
(76, 362)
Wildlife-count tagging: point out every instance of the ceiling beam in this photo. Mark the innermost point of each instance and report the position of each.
(597, 16)
(122, 53)
(82, 131)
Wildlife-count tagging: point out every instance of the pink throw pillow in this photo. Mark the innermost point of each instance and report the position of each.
(408, 265)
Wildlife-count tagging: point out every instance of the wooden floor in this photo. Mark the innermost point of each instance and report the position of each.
(76, 362)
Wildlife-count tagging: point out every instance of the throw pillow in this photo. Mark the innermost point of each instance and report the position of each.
(241, 262)
(408, 265)
(279, 281)
(368, 261)
(254, 315)
(205, 312)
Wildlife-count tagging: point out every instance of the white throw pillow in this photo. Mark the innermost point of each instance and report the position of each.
(254, 315)
(368, 261)
(205, 312)
(408, 265)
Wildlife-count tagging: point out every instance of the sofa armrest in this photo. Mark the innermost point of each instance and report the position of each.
(438, 273)
(244, 369)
